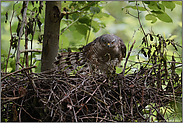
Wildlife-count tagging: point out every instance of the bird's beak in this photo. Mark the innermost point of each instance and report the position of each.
(108, 44)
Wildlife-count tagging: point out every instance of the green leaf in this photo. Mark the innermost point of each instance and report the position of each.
(34, 9)
(75, 16)
(162, 16)
(161, 7)
(38, 68)
(64, 41)
(173, 37)
(90, 3)
(12, 65)
(101, 15)
(151, 17)
(154, 5)
(131, 1)
(82, 2)
(169, 4)
(178, 2)
(81, 28)
(94, 9)
(96, 26)
(118, 70)
(134, 7)
(85, 20)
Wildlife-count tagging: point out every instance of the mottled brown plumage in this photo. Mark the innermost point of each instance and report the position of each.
(103, 55)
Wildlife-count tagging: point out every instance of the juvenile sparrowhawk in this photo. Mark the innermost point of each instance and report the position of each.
(103, 55)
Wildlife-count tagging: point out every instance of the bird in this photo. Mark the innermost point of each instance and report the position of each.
(101, 55)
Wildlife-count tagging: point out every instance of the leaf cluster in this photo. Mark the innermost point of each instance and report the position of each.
(155, 9)
(34, 20)
(80, 20)
(83, 11)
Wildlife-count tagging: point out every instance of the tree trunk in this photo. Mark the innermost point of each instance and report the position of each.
(51, 34)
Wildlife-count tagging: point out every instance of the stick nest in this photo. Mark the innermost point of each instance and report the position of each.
(152, 93)
(56, 96)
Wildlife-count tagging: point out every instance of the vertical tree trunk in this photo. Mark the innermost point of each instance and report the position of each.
(51, 34)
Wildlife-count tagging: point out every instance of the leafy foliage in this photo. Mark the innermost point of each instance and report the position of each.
(81, 19)
(155, 9)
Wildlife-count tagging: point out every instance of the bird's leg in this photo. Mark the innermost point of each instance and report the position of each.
(111, 74)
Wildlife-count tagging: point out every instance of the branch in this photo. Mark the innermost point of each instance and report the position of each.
(69, 26)
(62, 15)
(121, 84)
(75, 89)
(127, 58)
(11, 36)
(31, 50)
(139, 19)
(11, 98)
(77, 10)
(17, 72)
(20, 34)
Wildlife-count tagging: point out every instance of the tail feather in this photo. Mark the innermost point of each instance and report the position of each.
(72, 61)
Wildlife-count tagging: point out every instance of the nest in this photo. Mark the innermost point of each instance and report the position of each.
(149, 94)
(56, 96)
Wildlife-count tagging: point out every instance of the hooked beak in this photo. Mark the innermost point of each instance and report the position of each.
(108, 44)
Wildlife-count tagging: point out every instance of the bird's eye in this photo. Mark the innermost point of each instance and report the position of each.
(113, 41)
(104, 42)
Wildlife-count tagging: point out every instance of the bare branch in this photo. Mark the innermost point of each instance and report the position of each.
(20, 34)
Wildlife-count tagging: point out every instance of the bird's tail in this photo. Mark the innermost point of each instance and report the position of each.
(71, 62)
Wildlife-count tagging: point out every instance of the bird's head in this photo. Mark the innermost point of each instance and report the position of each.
(108, 40)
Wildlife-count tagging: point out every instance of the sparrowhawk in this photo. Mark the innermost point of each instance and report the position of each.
(103, 55)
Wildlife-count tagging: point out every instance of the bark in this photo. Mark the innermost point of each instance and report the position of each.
(51, 34)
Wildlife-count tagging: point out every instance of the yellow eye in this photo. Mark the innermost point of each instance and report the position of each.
(112, 43)
(104, 42)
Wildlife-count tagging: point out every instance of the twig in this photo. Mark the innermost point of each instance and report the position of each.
(33, 38)
(10, 98)
(31, 50)
(127, 58)
(31, 80)
(90, 96)
(26, 41)
(127, 12)
(104, 118)
(26, 111)
(157, 112)
(20, 111)
(75, 89)
(79, 9)
(98, 118)
(69, 26)
(17, 72)
(73, 110)
(90, 29)
(20, 34)
(11, 37)
(121, 84)
(139, 19)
